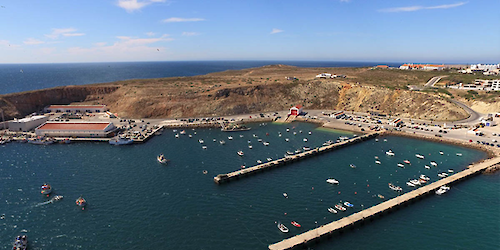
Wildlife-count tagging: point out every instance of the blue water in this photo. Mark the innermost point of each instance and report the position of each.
(136, 203)
(40, 76)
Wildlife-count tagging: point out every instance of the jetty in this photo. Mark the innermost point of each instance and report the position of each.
(326, 231)
(221, 178)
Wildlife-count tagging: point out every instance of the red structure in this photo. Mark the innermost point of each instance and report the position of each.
(296, 110)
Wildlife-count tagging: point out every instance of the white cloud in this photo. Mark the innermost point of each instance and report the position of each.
(274, 31)
(150, 33)
(416, 8)
(133, 5)
(63, 32)
(32, 41)
(100, 44)
(180, 19)
(185, 33)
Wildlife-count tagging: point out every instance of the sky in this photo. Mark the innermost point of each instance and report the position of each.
(427, 31)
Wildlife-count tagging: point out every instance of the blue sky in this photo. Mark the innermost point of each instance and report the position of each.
(434, 31)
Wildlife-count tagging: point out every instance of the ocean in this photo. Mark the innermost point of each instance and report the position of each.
(25, 77)
(136, 203)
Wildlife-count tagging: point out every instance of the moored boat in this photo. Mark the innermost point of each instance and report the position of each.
(222, 142)
(348, 204)
(443, 175)
(378, 162)
(340, 207)
(121, 141)
(81, 202)
(282, 227)
(433, 163)
(395, 188)
(21, 243)
(407, 161)
(401, 165)
(161, 159)
(332, 181)
(240, 153)
(424, 177)
(45, 189)
(420, 156)
(442, 190)
(390, 153)
(295, 224)
(332, 210)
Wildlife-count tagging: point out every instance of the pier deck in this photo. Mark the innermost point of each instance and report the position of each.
(239, 173)
(346, 222)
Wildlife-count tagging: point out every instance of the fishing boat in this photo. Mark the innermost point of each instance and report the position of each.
(190, 136)
(378, 162)
(348, 204)
(407, 161)
(332, 181)
(433, 163)
(395, 188)
(332, 210)
(442, 190)
(240, 153)
(21, 243)
(340, 207)
(161, 159)
(45, 189)
(120, 140)
(352, 165)
(401, 165)
(389, 153)
(81, 202)
(282, 228)
(295, 224)
(420, 156)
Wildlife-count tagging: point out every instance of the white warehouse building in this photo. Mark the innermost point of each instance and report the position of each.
(27, 124)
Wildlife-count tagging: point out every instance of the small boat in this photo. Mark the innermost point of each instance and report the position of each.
(286, 139)
(348, 204)
(254, 135)
(305, 139)
(121, 141)
(222, 142)
(420, 156)
(161, 159)
(352, 165)
(433, 163)
(310, 132)
(21, 243)
(443, 175)
(395, 188)
(332, 181)
(427, 167)
(423, 177)
(183, 132)
(407, 161)
(282, 228)
(214, 140)
(204, 147)
(306, 148)
(40, 141)
(378, 162)
(442, 190)
(441, 153)
(285, 195)
(332, 210)
(290, 152)
(259, 161)
(294, 133)
(205, 172)
(376, 139)
(240, 153)
(376, 157)
(340, 207)
(389, 153)
(459, 154)
(269, 159)
(250, 146)
(57, 198)
(295, 224)
(190, 136)
(201, 141)
(266, 143)
(401, 165)
(380, 196)
(176, 135)
(410, 184)
(81, 202)
(415, 182)
(450, 170)
(45, 189)
(229, 137)
(287, 130)
(243, 166)
(241, 136)
(328, 143)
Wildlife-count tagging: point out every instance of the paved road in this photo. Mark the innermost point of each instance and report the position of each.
(473, 115)
(433, 81)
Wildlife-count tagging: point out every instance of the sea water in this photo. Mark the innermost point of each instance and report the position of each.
(136, 203)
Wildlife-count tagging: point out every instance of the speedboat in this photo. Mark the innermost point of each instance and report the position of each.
(427, 167)
(121, 141)
(45, 189)
(443, 175)
(352, 165)
(81, 202)
(441, 153)
(240, 153)
(266, 143)
(161, 159)
(442, 190)
(423, 177)
(395, 188)
(420, 156)
(401, 165)
(285, 195)
(389, 153)
(332, 210)
(433, 163)
(340, 207)
(407, 161)
(282, 228)
(21, 243)
(295, 224)
(297, 151)
(459, 154)
(348, 204)
(332, 181)
(378, 162)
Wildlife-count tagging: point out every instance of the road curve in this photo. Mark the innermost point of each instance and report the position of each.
(473, 115)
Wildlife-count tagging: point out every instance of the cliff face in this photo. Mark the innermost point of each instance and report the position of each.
(21, 104)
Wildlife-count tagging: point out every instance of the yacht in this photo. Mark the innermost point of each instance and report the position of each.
(389, 153)
(348, 204)
(332, 210)
(332, 181)
(442, 190)
(21, 243)
(433, 163)
(415, 182)
(395, 188)
(420, 156)
(401, 165)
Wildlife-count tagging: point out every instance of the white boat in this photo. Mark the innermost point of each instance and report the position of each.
(441, 153)
(266, 143)
(442, 190)
(443, 175)
(415, 182)
(183, 132)
(240, 153)
(401, 165)
(332, 210)
(222, 142)
(340, 207)
(378, 162)
(433, 163)
(259, 161)
(161, 159)
(204, 147)
(423, 177)
(376, 140)
(201, 141)
(389, 153)
(459, 154)
(285, 195)
(269, 159)
(305, 139)
(420, 156)
(229, 137)
(290, 153)
(450, 170)
(176, 135)
(332, 181)
(121, 141)
(427, 167)
(57, 198)
(410, 184)
(395, 188)
(282, 228)
(21, 243)
(41, 141)
(310, 132)
(352, 165)
(190, 136)
(250, 146)
(348, 204)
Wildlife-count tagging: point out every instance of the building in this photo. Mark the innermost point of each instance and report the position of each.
(338, 115)
(382, 67)
(487, 85)
(296, 110)
(76, 108)
(78, 129)
(27, 124)
(412, 66)
(396, 122)
(324, 75)
(484, 67)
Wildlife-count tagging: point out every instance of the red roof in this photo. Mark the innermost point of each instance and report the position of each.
(298, 106)
(74, 126)
(76, 106)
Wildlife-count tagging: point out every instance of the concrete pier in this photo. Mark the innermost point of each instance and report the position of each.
(301, 240)
(221, 178)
